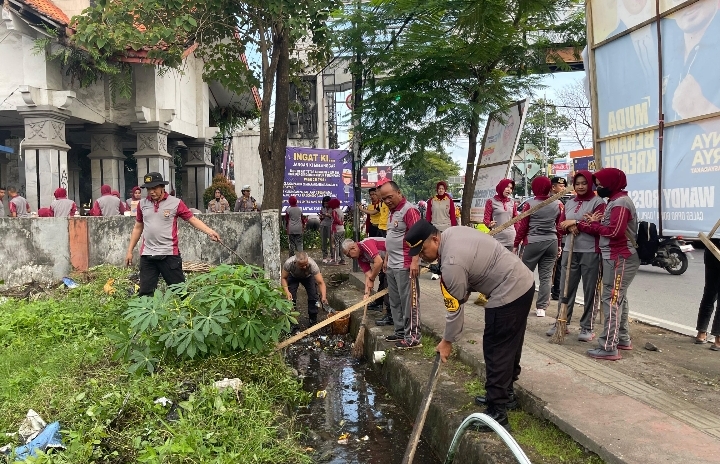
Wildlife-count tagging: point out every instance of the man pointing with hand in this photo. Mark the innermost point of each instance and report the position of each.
(156, 223)
(476, 262)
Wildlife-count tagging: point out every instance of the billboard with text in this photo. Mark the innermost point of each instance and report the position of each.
(312, 173)
(678, 192)
(496, 154)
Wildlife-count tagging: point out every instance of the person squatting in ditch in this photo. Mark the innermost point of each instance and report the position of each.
(471, 261)
(540, 235)
(586, 255)
(617, 229)
(302, 269)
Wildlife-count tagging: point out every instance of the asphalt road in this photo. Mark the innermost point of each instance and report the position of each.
(669, 301)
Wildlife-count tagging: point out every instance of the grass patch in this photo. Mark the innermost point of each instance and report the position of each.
(548, 441)
(58, 360)
(428, 346)
(475, 388)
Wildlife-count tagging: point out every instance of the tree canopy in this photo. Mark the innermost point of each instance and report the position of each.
(423, 171)
(443, 64)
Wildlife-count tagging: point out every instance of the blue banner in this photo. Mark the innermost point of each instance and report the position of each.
(312, 173)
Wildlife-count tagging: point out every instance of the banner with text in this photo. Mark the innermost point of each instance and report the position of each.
(628, 76)
(499, 146)
(371, 175)
(312, 173)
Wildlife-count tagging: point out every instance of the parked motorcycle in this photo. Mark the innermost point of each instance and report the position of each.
(669, 253)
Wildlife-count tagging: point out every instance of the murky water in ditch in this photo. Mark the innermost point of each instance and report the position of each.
(354, 403)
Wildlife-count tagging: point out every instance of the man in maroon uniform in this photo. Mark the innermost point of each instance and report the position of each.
(370, 254)
(156, 222)
(19, 207)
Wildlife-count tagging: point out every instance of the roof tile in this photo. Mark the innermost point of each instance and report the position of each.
(49, 9)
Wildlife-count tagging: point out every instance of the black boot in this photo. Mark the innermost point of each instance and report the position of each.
(313, 319)
(510, 405)
(387, 320)
(499, 414)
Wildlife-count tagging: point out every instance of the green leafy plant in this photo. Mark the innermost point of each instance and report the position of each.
(229, 309)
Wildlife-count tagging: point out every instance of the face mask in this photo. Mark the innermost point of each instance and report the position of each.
(604, 192)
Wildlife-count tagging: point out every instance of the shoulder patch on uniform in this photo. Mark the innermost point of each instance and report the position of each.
(451, 303)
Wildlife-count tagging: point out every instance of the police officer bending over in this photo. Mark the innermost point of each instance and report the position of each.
(156, 222)
(475, 262)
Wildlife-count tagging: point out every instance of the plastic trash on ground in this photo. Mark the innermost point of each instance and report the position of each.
(225, 383)
(164, 401)
(321, 394)
(343, 439)
(108, 287)
(37, 435)
(69, 283)
(49, 438)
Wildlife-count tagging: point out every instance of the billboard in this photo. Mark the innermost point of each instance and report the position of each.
(371, 175)
(496, 154)
(312, 173)
(636, 80)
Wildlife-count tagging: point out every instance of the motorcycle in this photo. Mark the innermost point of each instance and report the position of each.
(669, 253)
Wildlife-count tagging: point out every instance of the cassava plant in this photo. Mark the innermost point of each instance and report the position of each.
(229, 309)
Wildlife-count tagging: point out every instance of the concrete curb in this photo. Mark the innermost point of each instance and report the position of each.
(620, 419)
(405, 374)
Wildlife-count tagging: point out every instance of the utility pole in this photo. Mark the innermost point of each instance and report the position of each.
(356, 146)
(545, 137)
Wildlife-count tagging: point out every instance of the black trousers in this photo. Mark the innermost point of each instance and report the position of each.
(710, 296)
(310, 287)
(382, 285)
(502, 346)
(555, 290)
(151, 267)
(373, 230)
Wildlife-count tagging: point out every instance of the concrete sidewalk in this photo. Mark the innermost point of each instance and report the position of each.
(622, 419)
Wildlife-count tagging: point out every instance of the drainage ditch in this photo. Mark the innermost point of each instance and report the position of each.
(351, 418)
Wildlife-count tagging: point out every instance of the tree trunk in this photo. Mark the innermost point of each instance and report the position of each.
(274, 160)
(470, 171)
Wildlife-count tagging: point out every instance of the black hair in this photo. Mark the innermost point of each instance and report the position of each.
(325, 199)
(372, 189)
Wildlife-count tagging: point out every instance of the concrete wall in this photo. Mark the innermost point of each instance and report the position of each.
(40, 249)
(33, 249)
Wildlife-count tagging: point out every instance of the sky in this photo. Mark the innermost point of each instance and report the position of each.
(552, 83)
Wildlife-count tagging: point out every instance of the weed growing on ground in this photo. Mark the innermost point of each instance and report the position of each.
(475, 388)
(58, 361)
(547, 440)
(428, 346)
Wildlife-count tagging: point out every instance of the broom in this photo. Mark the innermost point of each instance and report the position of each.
(561, 322)
(359, 347)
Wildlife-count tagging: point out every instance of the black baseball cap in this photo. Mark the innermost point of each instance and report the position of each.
(153, 179)
(418, 233)
(558, 180)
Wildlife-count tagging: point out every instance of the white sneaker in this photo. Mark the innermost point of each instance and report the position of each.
(434, 277)
(540, 312)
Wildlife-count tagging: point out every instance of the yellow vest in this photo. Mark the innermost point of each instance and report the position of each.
(384, 214)
(375, 218)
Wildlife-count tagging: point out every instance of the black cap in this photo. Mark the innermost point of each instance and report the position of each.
(153, 179)
(418, 233)
(558, 180)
